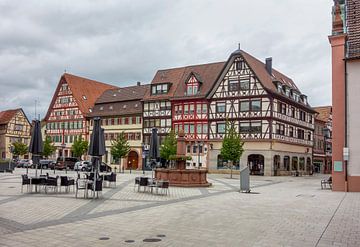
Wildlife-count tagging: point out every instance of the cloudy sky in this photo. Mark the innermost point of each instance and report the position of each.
(124, 41)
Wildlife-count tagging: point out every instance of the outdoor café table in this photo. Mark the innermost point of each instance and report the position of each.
(37, 181)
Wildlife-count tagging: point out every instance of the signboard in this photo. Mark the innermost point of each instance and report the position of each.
(346, 154)
(338, 166)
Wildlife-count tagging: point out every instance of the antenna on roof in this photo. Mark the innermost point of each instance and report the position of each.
(35, 109)
(238, 46)
(64, 70)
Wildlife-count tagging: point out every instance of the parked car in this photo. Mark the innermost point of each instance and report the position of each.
(69, 163)
(24, 163)
(103, 167)
(45, 164)
(82, 166)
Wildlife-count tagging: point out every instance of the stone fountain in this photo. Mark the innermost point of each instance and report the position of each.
(180, 176)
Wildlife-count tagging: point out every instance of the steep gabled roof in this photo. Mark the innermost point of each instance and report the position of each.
(7, 115)
(123, 94)
(81, 87)
(353, 29)
(177, 77)
(259, 69)
(205, 73)
(324, 113)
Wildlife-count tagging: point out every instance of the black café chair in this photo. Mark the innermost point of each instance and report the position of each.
(25, 181)
(111, 179)
(164, 186)
(66, 182)
(143, 183)
(98, 187)
(52, 183)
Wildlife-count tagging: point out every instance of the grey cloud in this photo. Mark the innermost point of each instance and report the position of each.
(121, 42)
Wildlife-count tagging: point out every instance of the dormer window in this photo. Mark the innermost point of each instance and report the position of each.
(192, 88)
(159, 89)
(111, 107)
(101, 108)
(279, 87)
(84, 97)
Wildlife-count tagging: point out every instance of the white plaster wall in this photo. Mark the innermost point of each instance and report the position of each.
(353, 79)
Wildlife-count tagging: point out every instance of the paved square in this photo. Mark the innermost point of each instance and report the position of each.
(282, 211)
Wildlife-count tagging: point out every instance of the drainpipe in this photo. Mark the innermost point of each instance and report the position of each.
(346, 122)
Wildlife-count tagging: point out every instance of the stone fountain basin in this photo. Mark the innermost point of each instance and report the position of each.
(183, 177)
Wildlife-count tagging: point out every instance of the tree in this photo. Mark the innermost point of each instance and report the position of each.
(20, 148)
(120, 147)
(49, 147)
(79, 147)
(232, 146)
(168, 148)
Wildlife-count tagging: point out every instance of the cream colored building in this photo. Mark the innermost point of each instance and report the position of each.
(120, 111)
(14, 127)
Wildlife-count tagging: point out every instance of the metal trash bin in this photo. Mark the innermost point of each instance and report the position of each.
(245, 180)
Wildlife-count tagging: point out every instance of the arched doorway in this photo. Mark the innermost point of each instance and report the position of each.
(294, 163)
(276, 165)
(256, 164)
(309, 167)
(133, 160)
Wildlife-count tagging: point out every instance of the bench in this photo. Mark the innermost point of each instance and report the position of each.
(325, 182)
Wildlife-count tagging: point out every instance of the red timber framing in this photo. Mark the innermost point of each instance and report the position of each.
(191, 116)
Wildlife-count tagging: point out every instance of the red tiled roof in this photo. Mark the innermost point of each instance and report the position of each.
(123, 94)
(6, 116)
(353, 28)
(80, 87)
(324, 113)
(177, 76)
(265, 78)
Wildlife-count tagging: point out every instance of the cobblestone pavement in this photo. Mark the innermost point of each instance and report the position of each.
(280, 211)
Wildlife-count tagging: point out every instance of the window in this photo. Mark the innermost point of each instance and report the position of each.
(186, 109)
(84, 97)
(256, 127)
(245, 84)
(302, 115)
(18, 127)
(220, 128)
(191, 110)
(233, 85)
(300, 134)
(292, 112)
(282, 108)
(198, 128)
(205, 128)
(194, 148)
(291, 131)
(256, 105)
(220, 107)
(239, 65)
(244, 106)
(280, 129)
(192, 88)
(159, 89)
(204, 108)
(245, 127)
(198, 109)
(188, 148)
(191, 129)
(186, 128)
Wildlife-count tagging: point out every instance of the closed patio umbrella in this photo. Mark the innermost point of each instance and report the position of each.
(154, 148)
(36, 145)
(97, 147)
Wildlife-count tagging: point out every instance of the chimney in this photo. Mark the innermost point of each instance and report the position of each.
(138, 83)
(268, 65)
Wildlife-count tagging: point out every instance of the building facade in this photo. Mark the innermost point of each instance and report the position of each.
(272, 116)
(345, 47)
(190, 110)
(322, 159)
(121, 112)
(73, 100)
(14, 127)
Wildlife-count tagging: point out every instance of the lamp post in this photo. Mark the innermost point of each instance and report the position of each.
(63, 145)
(11, 150)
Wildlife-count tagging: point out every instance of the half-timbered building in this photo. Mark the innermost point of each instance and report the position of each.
(271, 114)
(14, 127)
(190, 109)
(120, 111)
(73, 100)
(157, 105)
